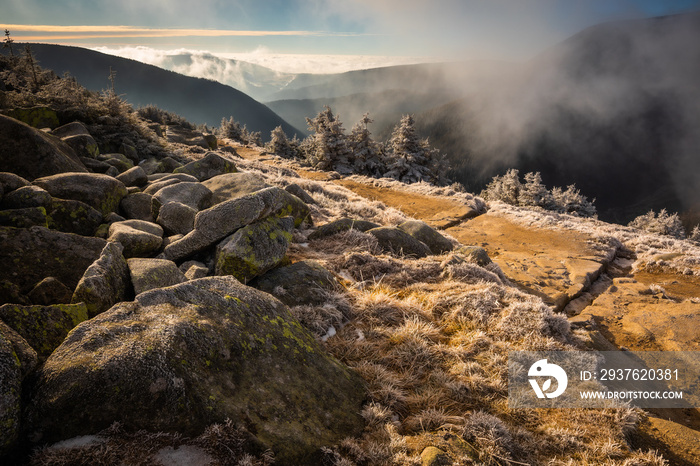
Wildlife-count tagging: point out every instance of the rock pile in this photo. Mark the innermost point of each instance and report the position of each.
(124, 297)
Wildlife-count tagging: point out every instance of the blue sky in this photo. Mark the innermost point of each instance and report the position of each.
(500, 29)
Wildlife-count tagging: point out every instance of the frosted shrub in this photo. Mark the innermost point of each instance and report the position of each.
(695, 234)
(328, 148)
(661, 223)
(368, 157)
(280, 145)
(533, 193)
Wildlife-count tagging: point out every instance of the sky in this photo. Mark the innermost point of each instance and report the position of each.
(361, 31)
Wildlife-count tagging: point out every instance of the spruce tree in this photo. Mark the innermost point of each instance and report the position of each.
(407, 158)
(366, 152)
(328, 149)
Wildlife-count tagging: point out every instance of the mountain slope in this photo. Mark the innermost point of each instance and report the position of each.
(198, 100)
(613, 109)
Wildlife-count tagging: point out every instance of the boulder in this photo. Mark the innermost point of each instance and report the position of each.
(176, 218)
(101, 192)
(254, 249)
(426, 234)
(26, 196)
(50, 291)
(36, 253)
(398, 242)
(95, 166)
(10, 182)
(105, 282)
(134, 177)
(137, 206)
(181, 358)
(31, 153)
(43, 327)
(17, 359)
(148, 274)
(194, 270)
(234, 185)
(155, 186)
(302, 283)
(216, 223)
(24, 218)
(118, 164)
(74, 217)
(195, 195)
(299, 192)
(36, 117)
(172, 176)
(74, 128)
(180, 135)
(83, 144)
(139, 238)
(341, 225)
(475, 254)
(211, 165)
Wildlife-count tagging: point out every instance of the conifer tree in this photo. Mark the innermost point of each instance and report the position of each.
(328, 147)
(7, 43)
(366, 152)
(279, 144)
(407, 157)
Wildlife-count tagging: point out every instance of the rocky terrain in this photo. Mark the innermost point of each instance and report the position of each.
(170, 298)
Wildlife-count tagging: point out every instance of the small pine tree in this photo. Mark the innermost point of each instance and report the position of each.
(534, 193)
(366, 152)
(279, 144)
(30, 62)
(504, 188)
(407, 157)
(695, 234)
(231, 129)
(7, 43)
(328, 149)
(661, 223)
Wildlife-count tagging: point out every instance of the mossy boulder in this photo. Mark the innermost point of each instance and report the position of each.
(43, 327)
(176, 218)
(50, 291)
(299, 192)
(73, 216)
(24, 218)
(137, 206)
(36, 117)
(31, 153)
(31, 254)
(341, 225)
(181, 358)
(10, 182)
(214, 224)
(398, 242)
(83, 144)
(148, 274)
(302, 283)
(433, 456)
(195, 195)
(105, 283)
(194, 270)
(99, 191)
(26, 196)
(74, 128)
(426, 234)
(119, 161)
(209, 166)
(17, 359)
(139, 238)
(134, 176)
(234, 185)
(255, 248)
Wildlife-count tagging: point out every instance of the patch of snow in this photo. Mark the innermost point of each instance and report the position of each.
(77, 442)
(185, 455)
(331, 332)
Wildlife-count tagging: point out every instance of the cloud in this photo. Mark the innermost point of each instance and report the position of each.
(51, 32)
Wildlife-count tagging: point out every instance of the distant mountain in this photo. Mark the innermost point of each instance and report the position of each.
(198, 100)
(386, 93)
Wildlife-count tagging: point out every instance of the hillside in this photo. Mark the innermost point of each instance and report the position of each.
(183, 306)
(198, 100)
(612, 109)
